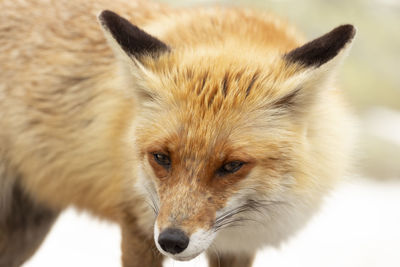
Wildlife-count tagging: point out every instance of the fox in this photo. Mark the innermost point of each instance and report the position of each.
(213, 129)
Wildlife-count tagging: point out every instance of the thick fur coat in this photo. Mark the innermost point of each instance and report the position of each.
(214, 125)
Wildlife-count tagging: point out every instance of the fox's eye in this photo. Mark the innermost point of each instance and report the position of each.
(162, 159)
(230, 167)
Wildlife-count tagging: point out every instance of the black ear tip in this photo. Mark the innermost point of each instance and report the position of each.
(107, 15)
(133, 40)
(347, 30)
(324, 48)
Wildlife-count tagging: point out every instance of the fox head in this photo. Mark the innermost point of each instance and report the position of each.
(222, 132)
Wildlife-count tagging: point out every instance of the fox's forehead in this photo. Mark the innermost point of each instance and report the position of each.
(219, 82)
(212, 105)
(197, 140)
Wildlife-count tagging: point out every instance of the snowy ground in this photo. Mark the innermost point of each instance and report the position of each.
(359, 227)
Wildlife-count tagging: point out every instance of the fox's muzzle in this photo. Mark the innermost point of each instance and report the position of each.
(183, 228)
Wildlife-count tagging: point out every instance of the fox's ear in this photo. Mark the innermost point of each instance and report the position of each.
(133, 41)
(131, 45)
(314, 65)
(323, 49)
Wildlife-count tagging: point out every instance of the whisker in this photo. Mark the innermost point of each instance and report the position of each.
(227, 220)
(151, 206)
(154, 203)
(235, 223)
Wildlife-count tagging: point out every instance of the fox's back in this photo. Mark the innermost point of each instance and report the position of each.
(57, 74)
(60, 112)
(47, 46)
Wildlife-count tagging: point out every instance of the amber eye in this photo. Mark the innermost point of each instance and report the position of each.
(162, 160)
(230, 167)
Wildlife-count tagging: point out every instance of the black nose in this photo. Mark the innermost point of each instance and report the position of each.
(173, 240)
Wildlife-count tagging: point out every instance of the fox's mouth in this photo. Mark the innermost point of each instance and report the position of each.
(180, 257)
(186, 258)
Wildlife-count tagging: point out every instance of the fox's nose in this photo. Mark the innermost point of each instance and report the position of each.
(173, 240)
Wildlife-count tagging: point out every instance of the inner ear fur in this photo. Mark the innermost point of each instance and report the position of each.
(324, 48)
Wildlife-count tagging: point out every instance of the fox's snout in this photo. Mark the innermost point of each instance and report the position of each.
(184, 225)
